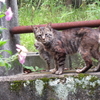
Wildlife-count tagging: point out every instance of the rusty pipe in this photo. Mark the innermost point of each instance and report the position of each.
(58, 26)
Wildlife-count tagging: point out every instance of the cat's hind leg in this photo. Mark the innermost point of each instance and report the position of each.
(96, 55)
(87, 58)
(97, 69)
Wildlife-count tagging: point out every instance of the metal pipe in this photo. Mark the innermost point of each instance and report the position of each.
(58, 26)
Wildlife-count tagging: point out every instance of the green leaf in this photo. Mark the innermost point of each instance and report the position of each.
(2, 42)
(2, 64)
(29, 67)
(8, 66)
(32, 68)
(36, 67)
(1, 56)
(0, 30)
(8, 51)
(2, 15)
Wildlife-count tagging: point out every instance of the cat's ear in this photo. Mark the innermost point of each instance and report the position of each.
(49, 26)
(34, 28)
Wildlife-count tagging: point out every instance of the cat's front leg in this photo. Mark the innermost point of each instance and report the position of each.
(60, 63)
(56, 66)
(48, 65)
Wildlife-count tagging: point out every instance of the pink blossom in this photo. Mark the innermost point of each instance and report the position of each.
(22, 57)
(22, 53)
(9, 14)
(3, 1)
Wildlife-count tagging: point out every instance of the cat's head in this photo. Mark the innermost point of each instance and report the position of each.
(44, 34)
(38, 32)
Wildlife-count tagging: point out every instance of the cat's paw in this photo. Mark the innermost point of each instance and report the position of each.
(53, 71)
(58, 72)
(97, 69)
(83, 70)
(79, 70)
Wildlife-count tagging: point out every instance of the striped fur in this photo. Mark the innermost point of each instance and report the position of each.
(61, 43)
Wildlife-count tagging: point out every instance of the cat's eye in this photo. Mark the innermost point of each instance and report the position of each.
(50, 34)
(45, 34)
(39, 35)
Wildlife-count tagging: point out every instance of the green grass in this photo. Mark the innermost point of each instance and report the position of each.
(60, 14)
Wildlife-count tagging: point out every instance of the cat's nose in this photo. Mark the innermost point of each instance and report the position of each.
(43, 38)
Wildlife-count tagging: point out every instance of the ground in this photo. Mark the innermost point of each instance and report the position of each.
(37, 75)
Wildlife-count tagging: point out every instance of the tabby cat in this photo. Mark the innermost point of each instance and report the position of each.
(59, 43)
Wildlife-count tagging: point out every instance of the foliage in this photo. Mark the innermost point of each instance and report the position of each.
(33, 69)
(92, 1)
(6, 61)
(38, 3)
